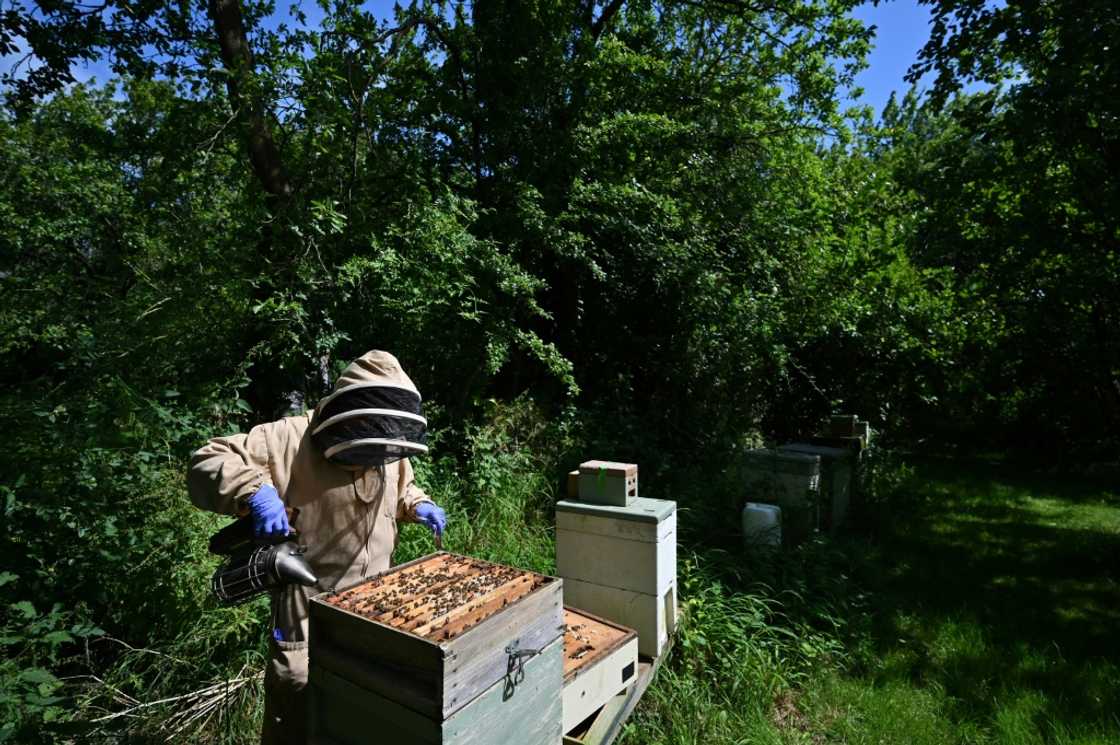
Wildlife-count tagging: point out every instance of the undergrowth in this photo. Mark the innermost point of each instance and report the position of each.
(856, 638)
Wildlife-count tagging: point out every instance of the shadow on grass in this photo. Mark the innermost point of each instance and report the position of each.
(974, 604)
(993, 587)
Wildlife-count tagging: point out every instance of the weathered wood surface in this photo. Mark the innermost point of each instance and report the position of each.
(588, 638)
(430, 592)
(459, 620)
(526, 710)
(429, 655)
(351, 634)
(477, 657)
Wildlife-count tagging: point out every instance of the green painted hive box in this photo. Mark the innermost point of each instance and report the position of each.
(445, 649)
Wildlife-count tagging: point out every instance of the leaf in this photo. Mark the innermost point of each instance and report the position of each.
(39, 676)
(7, 577)
(84, 630)
(58, 637)
(26, 608)
(40, 700)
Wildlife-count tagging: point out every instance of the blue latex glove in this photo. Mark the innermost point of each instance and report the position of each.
(432, 515)
(269, 517)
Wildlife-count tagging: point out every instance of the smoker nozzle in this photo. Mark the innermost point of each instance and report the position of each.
(291, 567)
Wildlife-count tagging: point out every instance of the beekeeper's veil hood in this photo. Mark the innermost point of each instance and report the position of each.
(372, 416)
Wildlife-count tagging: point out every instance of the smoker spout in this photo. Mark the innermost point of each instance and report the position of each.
(291, 567)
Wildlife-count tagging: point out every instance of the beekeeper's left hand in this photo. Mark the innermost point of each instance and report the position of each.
(432, 515)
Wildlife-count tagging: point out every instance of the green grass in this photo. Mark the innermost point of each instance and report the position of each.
(994, 616)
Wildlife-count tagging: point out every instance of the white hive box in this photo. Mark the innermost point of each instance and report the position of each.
(629, 548)
(790, 480)
(607, 482)
(863, 431)
(600, 660)
(653, 617)
(621, 563)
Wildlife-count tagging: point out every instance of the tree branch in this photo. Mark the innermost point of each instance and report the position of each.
(246, 103)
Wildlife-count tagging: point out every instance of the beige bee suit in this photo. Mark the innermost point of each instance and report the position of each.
(348, 520)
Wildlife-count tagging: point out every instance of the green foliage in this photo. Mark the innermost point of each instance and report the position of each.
(32, 700)
(992, 603)
(642, 230)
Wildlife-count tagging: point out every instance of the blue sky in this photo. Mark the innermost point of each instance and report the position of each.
(902, 29)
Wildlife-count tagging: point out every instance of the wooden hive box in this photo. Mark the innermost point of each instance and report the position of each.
(790, 480)
(620, 563)
(600, 659)
(629, 548)
(426, 653)
(607, 482)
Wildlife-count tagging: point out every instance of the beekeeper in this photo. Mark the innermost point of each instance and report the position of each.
(345, 467)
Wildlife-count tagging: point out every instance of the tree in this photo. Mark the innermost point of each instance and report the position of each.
(1024, 206)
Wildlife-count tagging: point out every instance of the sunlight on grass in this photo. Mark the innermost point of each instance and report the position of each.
(995, 622)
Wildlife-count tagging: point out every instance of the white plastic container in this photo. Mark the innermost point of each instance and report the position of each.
(762, 524)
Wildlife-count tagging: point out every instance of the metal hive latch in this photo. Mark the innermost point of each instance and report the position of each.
(515, 666)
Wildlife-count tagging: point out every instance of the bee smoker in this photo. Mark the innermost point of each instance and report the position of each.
(253, 566)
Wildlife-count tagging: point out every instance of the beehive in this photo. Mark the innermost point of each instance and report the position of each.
(621, 563)
(428, 653)
(836, 480)
(600, 659)
(843, 425)
(607, 482)
(790, 480)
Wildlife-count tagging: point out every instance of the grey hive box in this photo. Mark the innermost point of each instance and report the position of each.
(836, 480)
(790, 480)
(422, 654)
(608, 482)
(621, 563)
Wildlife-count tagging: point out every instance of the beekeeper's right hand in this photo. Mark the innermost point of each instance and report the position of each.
(269, 516)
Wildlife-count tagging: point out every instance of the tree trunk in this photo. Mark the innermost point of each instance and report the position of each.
(246, 102)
